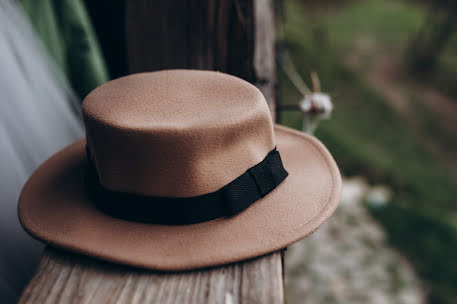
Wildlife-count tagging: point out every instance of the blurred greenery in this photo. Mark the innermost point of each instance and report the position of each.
(368, 137)
(66, 30)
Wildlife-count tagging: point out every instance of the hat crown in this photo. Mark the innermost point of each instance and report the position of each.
(176, 133)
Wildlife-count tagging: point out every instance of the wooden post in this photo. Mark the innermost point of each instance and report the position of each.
(232, 36)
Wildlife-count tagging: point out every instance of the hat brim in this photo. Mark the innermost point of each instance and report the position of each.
(54, 208)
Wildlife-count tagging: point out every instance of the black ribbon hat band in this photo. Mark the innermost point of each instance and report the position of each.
(231, 199)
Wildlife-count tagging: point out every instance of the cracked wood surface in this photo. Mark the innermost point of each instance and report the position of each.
(64, 277)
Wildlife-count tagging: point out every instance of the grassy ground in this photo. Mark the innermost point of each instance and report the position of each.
(368, 137)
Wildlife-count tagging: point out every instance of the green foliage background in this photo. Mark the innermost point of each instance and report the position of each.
(367, 137)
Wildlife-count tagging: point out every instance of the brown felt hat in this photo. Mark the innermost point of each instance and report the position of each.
(180, 169)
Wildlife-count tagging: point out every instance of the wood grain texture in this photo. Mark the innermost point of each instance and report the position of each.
(64, 277)
(264, 50)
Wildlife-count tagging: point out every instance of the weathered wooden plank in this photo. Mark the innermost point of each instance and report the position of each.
(199, 34)
(264, 51)
(64, 277)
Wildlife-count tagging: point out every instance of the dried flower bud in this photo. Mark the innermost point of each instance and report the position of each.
(317, 103)
(315, 107)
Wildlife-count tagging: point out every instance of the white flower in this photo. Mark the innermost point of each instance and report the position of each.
(315, 107)
(317, 103)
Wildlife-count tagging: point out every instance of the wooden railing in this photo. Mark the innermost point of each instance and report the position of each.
(64, 277)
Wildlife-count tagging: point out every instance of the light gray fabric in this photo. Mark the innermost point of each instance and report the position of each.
(39, 114)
